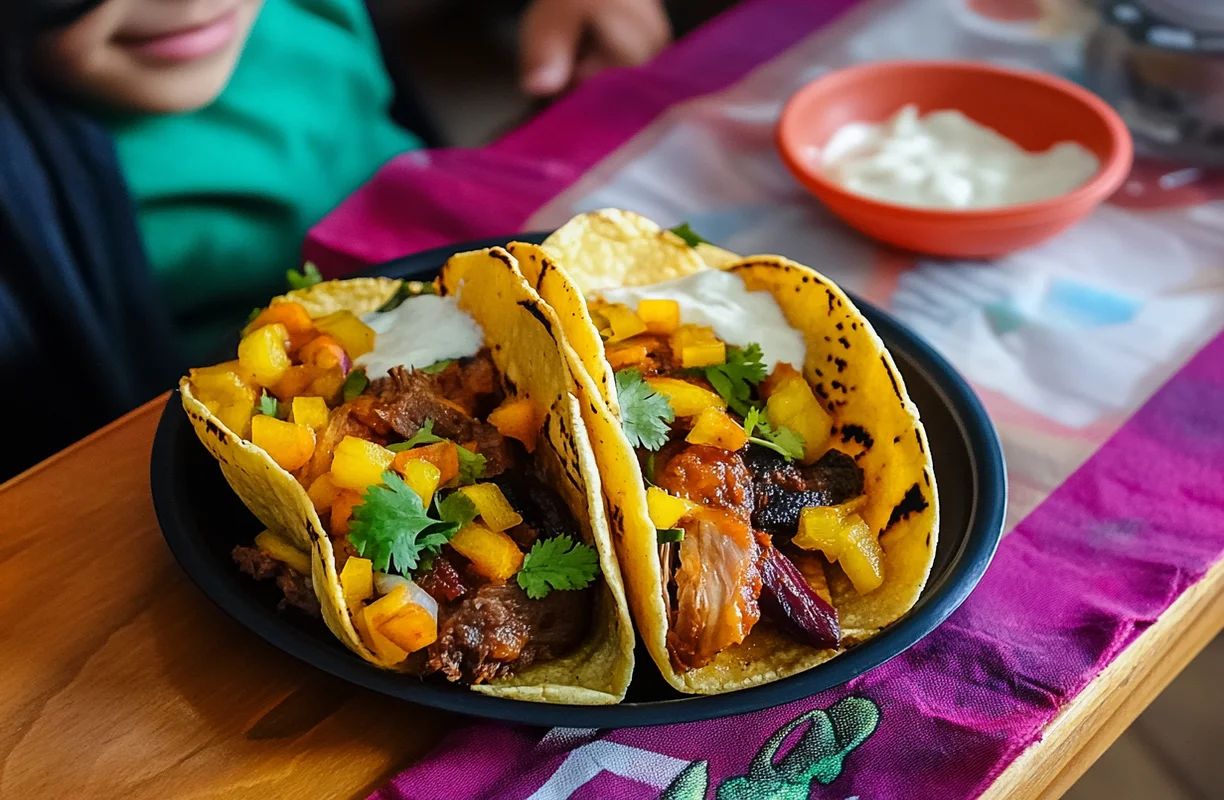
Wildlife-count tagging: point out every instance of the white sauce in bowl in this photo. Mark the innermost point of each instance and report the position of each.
(719, 299)
(946, 160)
(424, 329)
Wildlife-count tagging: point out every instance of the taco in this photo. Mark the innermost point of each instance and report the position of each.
(418, 456)
(769, 481)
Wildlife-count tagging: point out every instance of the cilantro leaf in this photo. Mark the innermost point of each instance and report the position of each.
(557, 563)
(690, 236)
(644, 414)
(783, 441)
(669, 535)
(407, 289)
(424, 436)
(734, 379)
(255, 312)
(308, 277)
(437, 366)
(355, 384)
(392, 528)
(471, 466)
(268, 405)
(457, 507)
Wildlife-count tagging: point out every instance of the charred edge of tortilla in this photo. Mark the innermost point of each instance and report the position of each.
(857, 433)
(533, 308)
(893, 380)
(918, 439)
(913, 502)
(216, 430)
(926, 478)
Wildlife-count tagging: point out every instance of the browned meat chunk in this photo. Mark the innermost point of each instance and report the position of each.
(660, 360)
(472, 384)
(499, 630)
(297, 588)
(709, 476)
(783, 491)
(443, 583)
(342, 422)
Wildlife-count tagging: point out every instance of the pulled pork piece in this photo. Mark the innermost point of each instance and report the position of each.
(660, 358)
(297, 588)
(711, 477)
(498, 630)
(472, 384)
(405, 399)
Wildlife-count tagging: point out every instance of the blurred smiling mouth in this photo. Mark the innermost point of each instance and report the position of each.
(185, 44)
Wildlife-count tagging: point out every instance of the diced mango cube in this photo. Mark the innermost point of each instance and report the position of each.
(294, 316)
(666, 509)
(358, 464)
(704, 354)
(357, 580)
(625, 354)
(660, 316)
(325, 353)
(443, 455)
(493, 553)
(288, 444)
(843, 536)
(716, 429)
(793, 405)
(687, 399)
(355, 336)
(422, 478)
(369, 619)
(283, 551)
(782, 373)
(221, 369)
(328, 383)
(227, 394)
(263, 352)
(342, 511)
(517, 418)
(623, 322)
(322, 492)
(411, 629)
(494, 509)
(309, 411)
(690, 334)
(294, 382)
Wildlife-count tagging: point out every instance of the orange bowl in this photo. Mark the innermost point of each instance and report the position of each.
(1032, 109)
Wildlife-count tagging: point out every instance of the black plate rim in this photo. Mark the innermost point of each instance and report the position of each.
(939, 600)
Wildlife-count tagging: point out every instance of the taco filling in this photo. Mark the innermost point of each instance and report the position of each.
(454, 553)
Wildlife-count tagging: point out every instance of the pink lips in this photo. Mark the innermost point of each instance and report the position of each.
(190, 43)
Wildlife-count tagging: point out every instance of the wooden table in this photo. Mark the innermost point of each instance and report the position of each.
(119, 679)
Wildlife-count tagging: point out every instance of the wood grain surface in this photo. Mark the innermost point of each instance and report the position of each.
(119, 679)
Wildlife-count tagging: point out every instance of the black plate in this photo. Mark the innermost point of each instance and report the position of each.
(202, 520)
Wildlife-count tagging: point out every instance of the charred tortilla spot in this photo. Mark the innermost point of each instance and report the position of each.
(829, 357)
(841, 364)
(854, 326)
(534, 310)
(913, 503)
(820, 390)
(832, 299)
(926, 478)
(928, 540)
(918, 439)
(844, 342)
(857, 433)
(827, 339)
(797, 289)
(893, 380)
(216, 431)
(839, 386)
(896, 439)
(819, 374)
(807, 278)
(841, 326)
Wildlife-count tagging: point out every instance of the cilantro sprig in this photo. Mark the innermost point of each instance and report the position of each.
(783, 440)
(457, 507)
(268, 405)
(471, 466)
(735, 378)
(437, 366)
(644, 414)
(557, 563)
(355, 384)
(308, 277)
(690, 236)
(423, 436)
(393, 529)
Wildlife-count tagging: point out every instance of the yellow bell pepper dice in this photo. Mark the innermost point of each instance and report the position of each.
(686, 399)
(422, 477)
(494, 509)
(309, 411)
(323, 492)
(623, 322)
(493, 553)
(716, 429)
(704, 354)
(862, 558)
(411, 629)
(283, 551)
(443, 455)
(517, 418)
(369, 619)
(357, 580)
(264, 353)
(666, 509)
(793, 405)
(660, 316)
(358, 464)
(288, 444)
(344, 326)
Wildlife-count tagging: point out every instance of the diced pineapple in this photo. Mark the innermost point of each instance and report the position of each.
(294, 382)
(493, 553)
(660, 316)
(686, 399)
(494, 509)
(355, 336)
(294, 316)
(623, 322)
(793, 405)
(443, 455)
(517, 418)
(358, 464)
(843, 536)
(862, 558)
(368, 622)
(221, 370)
(357, 580)
(782, 373)
(263, 353)
(342, 511)
(309, 411)
(283, 551)
(690, 334)
(716, 429)
(666, 509)
(422, 478)
(704, 354)
(227, 394)
(288, 444)
(411, 629)
(322, 492)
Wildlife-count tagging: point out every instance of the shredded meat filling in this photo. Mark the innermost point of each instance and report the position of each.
(297, 588)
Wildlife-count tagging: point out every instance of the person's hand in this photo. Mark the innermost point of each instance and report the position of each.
(566, 41)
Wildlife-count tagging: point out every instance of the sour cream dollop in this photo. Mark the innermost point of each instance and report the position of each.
(720, 299)
(424, 329)
(946, 160)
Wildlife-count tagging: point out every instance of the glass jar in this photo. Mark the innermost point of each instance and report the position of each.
(1160, 63)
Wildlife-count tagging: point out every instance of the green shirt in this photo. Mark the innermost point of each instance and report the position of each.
(226, 194)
